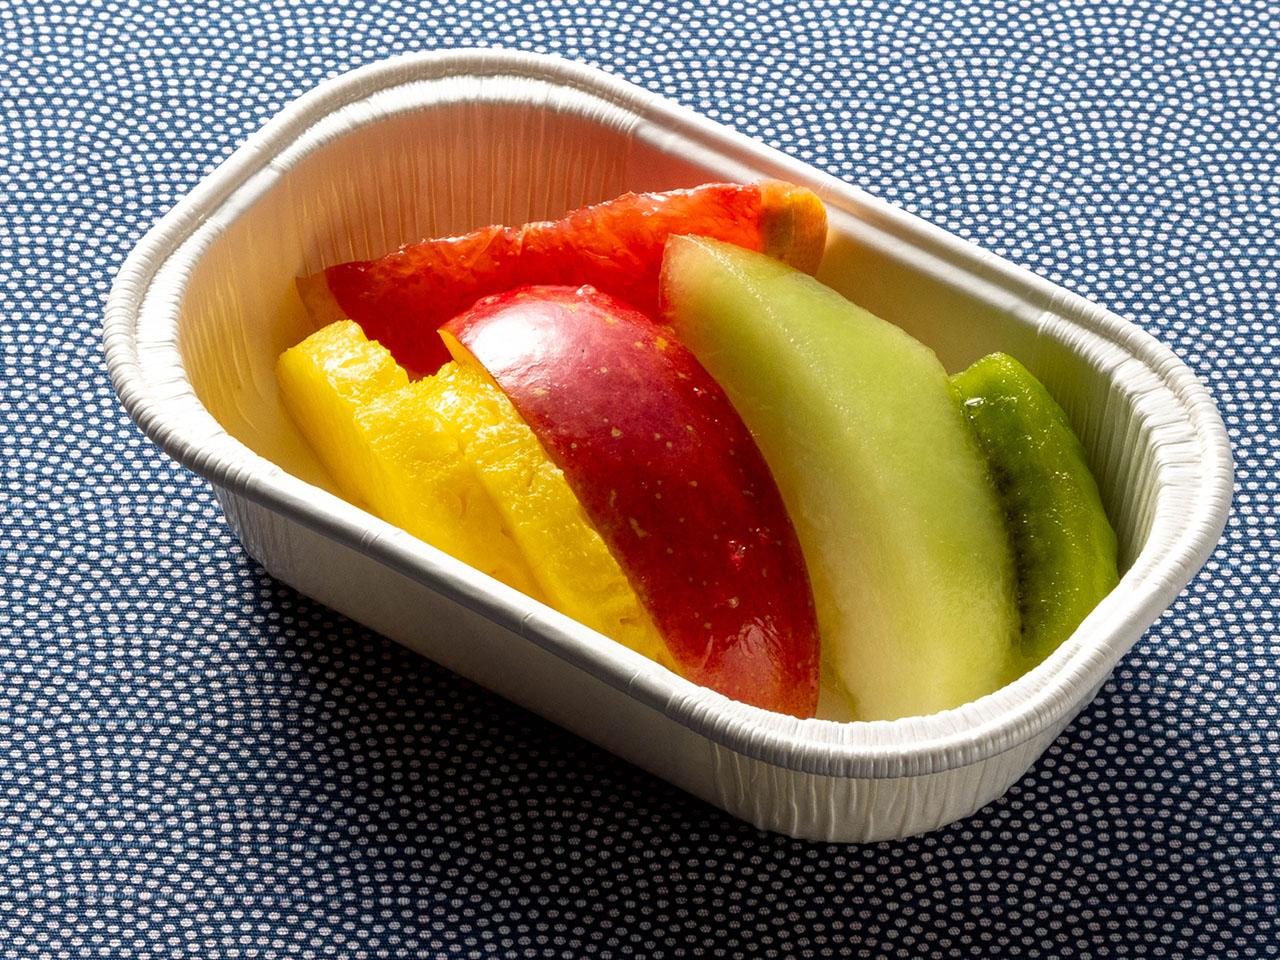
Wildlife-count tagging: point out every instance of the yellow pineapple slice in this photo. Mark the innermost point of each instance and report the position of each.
(570, 562)
(388, 451)
(324, 381)
(422, 483)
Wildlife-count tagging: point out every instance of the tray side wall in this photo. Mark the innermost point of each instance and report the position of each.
(815, 807)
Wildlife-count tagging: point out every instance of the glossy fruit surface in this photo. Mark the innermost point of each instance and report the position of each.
(570, 563)
(401, 298)
(668, 474)
(448, 459)
(899, 521)
(1064, 546)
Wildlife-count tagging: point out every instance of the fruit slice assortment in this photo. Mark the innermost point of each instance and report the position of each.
(1064, 545)
(573, 568)
(678, 485)
(669, 475)
(400, 299)
(448, 459)
(902, 532)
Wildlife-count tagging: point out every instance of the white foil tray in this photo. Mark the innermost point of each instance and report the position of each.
(440, 143)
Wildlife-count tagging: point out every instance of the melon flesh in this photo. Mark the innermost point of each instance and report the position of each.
(897, 516)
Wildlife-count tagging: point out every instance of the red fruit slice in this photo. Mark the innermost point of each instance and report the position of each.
(670, 477)
(616, 246)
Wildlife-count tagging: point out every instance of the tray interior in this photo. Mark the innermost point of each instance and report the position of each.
(433, 160)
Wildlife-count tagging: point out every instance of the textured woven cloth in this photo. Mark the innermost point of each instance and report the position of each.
(195, 761)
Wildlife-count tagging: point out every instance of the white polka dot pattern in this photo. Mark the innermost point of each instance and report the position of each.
(197, 762)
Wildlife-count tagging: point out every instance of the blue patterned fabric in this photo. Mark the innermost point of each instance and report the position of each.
(197, 762)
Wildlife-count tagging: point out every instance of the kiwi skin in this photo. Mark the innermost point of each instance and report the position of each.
(1064, 547)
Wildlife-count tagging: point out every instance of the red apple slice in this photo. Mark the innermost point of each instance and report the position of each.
(670, 477)
(401, 298)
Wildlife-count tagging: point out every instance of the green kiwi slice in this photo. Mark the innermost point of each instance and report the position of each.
(1064, 547)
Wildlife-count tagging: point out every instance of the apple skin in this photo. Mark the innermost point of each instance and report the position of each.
(669, 475)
